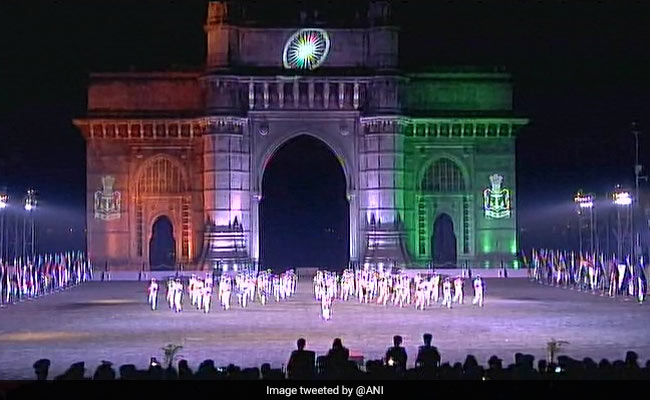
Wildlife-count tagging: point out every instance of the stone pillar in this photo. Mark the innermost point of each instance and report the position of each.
(382, 192)
(226, 174)
(254, 237)
(354, 226)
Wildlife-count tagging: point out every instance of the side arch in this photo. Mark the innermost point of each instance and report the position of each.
(161, 187)
(430, 165)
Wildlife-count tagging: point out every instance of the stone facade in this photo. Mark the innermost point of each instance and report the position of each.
(193, 145)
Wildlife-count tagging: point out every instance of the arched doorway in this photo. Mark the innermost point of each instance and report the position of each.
(443, 241)
(162, 247)
(304, 213)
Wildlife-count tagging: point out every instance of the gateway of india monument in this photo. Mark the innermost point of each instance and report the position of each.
(428, 155)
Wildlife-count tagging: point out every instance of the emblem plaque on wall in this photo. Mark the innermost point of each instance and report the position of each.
(496, 200)
(107, 200)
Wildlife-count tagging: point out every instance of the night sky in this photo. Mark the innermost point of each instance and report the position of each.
(580, 72)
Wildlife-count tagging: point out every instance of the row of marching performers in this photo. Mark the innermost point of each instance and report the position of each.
(589, 272)
(44, 274)
(246, 286)
(383, 287)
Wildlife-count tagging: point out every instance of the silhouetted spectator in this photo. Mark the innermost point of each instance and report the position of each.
(495, 369)
(471, 369)
(104, 372)
(128, 372)
(301, 362)
(337, 358)
(265, 370)
(396, 356)
(428, 355)
(206, 370)
(41, 368)
(184, 371)
(75, 372)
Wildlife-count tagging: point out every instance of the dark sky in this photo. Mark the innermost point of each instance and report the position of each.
(580, 70)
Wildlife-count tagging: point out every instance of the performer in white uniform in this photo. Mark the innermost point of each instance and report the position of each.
(153, 293)
(458, 290)
(178, 296)
(479, 291)
(446, 293)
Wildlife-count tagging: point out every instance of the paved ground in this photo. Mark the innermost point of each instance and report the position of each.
(111, 321)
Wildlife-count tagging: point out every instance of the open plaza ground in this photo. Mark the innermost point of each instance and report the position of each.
(112, 321)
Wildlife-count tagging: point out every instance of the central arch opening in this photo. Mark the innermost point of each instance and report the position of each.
(162, 247)
(304, 213)
(443, 241)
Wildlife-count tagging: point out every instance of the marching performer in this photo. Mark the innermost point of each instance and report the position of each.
(436, 287)
(153, 293)
(207, 298)
(446, 293)
(458, 290)
(225, 291)
(178, 296)
(171, 288)
(479, 291)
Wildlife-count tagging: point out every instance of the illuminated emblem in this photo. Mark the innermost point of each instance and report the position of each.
(306, 49)
(496, 200)
(107, 200)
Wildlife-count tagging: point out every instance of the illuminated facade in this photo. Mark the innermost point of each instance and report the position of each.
(192, 146)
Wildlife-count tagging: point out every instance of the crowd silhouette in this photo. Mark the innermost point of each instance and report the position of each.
(337, 364)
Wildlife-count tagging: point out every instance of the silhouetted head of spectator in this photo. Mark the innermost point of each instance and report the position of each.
(41, 368)
(470, 362)
(631, 359)
(265, 369)
(127, 371)
(337, 344)
(397, 340)
(232, 369)
(604, 364)
(518, 358)
(76, 371)
(104, 372)
(495, 362)
(541, 366)
(428, 338)
(301, 344)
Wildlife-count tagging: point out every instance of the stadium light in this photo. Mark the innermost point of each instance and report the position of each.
(30, 200)
(622, 197)
(583, 201)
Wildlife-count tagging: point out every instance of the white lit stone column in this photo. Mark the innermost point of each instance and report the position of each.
(354, 226)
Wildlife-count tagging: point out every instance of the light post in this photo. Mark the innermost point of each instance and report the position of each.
(30, 206)
(585, 209)
(622, 200)
(4, 200)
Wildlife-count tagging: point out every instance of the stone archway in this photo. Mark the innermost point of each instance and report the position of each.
(443, 241)
(339, 144)
(314, 223)
(162, 245)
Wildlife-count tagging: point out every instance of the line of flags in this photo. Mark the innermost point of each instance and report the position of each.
(588, 271)
(39, 275)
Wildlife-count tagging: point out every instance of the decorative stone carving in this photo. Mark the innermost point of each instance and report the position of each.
(107, 200)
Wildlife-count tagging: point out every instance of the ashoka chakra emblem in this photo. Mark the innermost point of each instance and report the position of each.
(306, 49)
